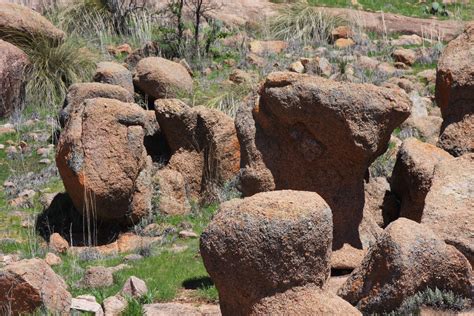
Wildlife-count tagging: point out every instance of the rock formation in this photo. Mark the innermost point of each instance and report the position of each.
(455, 94)
(313, 134)
(266, 244)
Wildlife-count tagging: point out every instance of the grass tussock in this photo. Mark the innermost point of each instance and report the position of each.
(54, 67)
(304, 23)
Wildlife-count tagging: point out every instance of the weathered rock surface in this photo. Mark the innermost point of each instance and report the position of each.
(203, 143)
(96, 277)
(449, 205)
(88, 304)
(180, 309)
(134, 287)
(16, 19)
(115, 305)
(267, 243)
(405, 55)
(172, 190)
(267, 47)
(103, 162)
(313, 134)
(57, 243)
(455, 94)
(115, 74)
(308, 300)
(28, 284)
(407, 258)
(80, 92)
(162, 78)
(413, 173)
(13, 67)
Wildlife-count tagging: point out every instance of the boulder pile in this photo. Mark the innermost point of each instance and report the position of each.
(308, 133)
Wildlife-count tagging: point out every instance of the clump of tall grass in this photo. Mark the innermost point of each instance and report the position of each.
(92, 21)
(54, 67)
(304, 23)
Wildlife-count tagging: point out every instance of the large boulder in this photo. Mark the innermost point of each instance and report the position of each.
(19, 20)
(161, 78)
(307, 300)
(203, 143)
(79, 92)
(407, 258)
(114, 73)
(449, 205)
(103, 161)
(267, 243)
(455, 93)
(13, 67)
(27, 285)
(314, 134)
(173, 199)
(412, 175)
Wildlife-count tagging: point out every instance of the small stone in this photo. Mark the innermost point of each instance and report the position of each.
(11, 150)
(132, 257)
(43, 151)
(344, 43)
(187, 234)
(114, 305)
(96, 277)
(45, 161)
(404, 55)
(297, 66)
(134, 287)
(84, 303)
(58, 244)
(27, 193)
(2, 146)
(52, 259)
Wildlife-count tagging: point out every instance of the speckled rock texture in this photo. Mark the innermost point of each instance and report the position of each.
(455, 93)
(308, 300)
(15, 18)
(313, 134)
(103, 161)
(13, 66)
(265, 244)
(29, 284)
(203, 143)
(407, 258)
(413, 173)
(79, 92)
(449, 206)
(161, 78)
(114, 73)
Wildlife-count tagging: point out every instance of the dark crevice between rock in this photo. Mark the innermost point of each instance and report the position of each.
(61, 217)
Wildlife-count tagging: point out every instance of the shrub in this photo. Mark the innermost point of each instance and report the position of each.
(437, 299)
(304, 23)
(53, 67)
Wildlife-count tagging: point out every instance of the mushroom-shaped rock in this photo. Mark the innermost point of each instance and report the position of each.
(114, 73)
(203, 143)
(13, 66)
(306, 300)
(103, 161)
(18, 19)
(162, 78)
(449, 206)
(455, 93)
(79, 92)
(29, 284)
(412, 175)
(314, 134)
(267, 243)
(407, 258)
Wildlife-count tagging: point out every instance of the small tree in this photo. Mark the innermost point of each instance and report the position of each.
(200, 9)
(121, 9)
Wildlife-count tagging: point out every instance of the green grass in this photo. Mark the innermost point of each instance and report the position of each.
(403, 7)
